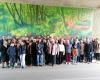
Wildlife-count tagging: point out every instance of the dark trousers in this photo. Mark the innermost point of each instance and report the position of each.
(88, 57)
(34, 59)
(78, 58)
(47, 57)
(53, 59)
(57, 59)
(91, 58)
(29, 59)
(60, 57)
(96, 56)
(81, 57)
(17, 59)
(50, 58)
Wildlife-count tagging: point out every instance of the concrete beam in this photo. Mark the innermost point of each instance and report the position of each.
(73, 3)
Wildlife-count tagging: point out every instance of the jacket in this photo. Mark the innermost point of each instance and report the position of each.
(22, 49)
(68, 48)
(39, 48)
(11, 51)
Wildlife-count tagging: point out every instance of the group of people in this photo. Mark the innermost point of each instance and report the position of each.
(39, 51)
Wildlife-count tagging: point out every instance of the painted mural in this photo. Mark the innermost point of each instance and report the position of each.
(27, 19)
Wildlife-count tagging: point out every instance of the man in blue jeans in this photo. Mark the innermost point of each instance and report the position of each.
(12, 52)
(40, 52)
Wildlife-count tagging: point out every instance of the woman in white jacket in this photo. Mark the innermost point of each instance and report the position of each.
(61, 49)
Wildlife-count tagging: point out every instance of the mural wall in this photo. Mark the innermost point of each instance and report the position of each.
(26, 19)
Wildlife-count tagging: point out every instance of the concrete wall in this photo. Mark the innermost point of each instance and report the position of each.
(96, 28)
(74, 3)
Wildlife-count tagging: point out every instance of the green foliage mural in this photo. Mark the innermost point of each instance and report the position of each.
(27, 19)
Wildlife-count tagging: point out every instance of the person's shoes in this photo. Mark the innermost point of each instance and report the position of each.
(8, 66)
(52, 65)
(23, 67)
(12, 67)
(88, 62)
(40, 65)
(3, 67)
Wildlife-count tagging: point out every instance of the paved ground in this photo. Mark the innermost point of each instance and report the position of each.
(58, 72)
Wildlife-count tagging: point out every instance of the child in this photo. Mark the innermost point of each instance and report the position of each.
(74, 54)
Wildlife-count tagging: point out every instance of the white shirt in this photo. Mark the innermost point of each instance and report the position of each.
(61, 48)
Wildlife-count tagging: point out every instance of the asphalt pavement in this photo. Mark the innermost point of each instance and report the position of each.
(81, 71)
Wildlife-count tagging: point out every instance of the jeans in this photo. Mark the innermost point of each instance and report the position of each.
(12, 60)
(60, 57)
(91, 53)
(74, 59)
(39, 59)
(0, 56)
(78, 58)
(81, 57)
(88, 57)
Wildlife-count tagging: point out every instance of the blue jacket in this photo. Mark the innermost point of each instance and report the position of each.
(40, 48)
(11, 51)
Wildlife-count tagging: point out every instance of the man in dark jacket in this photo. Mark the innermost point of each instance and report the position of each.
(4, 56)
(88, 49)
(34, 52)
(22, 54)
(40, 52)
(12, 52)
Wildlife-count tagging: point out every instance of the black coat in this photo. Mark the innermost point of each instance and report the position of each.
(88, 48)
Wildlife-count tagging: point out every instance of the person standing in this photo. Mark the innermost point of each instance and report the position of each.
(3, 55)
(96, 49)
(68, 52)
(1, 43)
(22, 54)
(54, 51)
(12, 52)
(29, 54)
(78, 47)
(40, 52)
(18, 54)
(49, 46)
(81, 50)
(88, 50)
(45, 58)
(34, 52)
(61, 50)
(74, 52)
